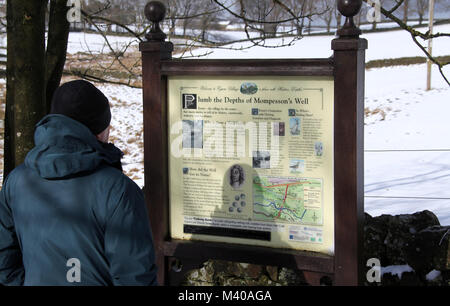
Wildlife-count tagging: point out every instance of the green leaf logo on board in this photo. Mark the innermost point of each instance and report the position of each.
(249, 88)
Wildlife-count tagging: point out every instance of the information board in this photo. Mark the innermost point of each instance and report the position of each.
(251, 160)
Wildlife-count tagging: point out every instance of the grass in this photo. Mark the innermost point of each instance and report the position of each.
(105, 66)
(403, 61)
(368, 112)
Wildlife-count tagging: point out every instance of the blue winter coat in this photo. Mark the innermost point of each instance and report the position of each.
(68, 201)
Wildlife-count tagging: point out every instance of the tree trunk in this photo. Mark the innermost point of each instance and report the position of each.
(358, 19)
(339, 20)
(8, 155)
(405, 11)
(25, 97)
(302, 24)
(300, 27)
(309, 26)
(328, 21)
(310, 12)
(55, 57)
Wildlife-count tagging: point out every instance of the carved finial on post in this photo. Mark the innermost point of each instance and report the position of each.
(155, 11)
(349, 8)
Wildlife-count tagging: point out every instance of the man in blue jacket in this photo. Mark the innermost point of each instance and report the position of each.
(68, 215)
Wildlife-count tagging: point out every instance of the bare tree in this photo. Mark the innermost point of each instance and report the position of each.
(266, 18)
(266, 13)
(328, 6)
(261, 20)
(416, 34)
(55, 55)
(421, 7)
(405, 11)
(206, 19)
(33, 72)
(176, 9)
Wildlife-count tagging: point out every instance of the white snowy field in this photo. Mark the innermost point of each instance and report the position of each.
(127, 127)
(95, 43)
(415, 122)
(382, 45)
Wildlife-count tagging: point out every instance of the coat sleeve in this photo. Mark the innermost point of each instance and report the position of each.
(128, 240)
(11, 267)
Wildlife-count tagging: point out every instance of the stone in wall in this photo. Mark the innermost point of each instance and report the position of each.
(224, 273)
(416, 241)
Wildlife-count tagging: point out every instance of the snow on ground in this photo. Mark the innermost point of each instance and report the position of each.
(395, 44)
(396, 270)
(432, 275)
(415, 119)
(382, 45)
(127, 128)
(95, 43)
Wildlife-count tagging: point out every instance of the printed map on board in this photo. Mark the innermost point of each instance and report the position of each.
(292, 200)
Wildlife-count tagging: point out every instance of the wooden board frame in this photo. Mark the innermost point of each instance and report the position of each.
(347, 67)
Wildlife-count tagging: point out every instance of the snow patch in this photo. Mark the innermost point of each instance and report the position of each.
(396, 270)
(432, 275)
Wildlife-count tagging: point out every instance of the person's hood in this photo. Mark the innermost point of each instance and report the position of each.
(65, 147)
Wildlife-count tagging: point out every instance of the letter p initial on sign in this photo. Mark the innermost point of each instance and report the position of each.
(189, 101)
(74, 13)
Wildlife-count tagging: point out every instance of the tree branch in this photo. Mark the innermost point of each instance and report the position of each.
(414, 34)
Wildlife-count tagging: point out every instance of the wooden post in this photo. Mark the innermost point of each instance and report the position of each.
(349, 59)
(156, 170)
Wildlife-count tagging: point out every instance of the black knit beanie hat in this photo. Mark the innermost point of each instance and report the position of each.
(83, 102)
